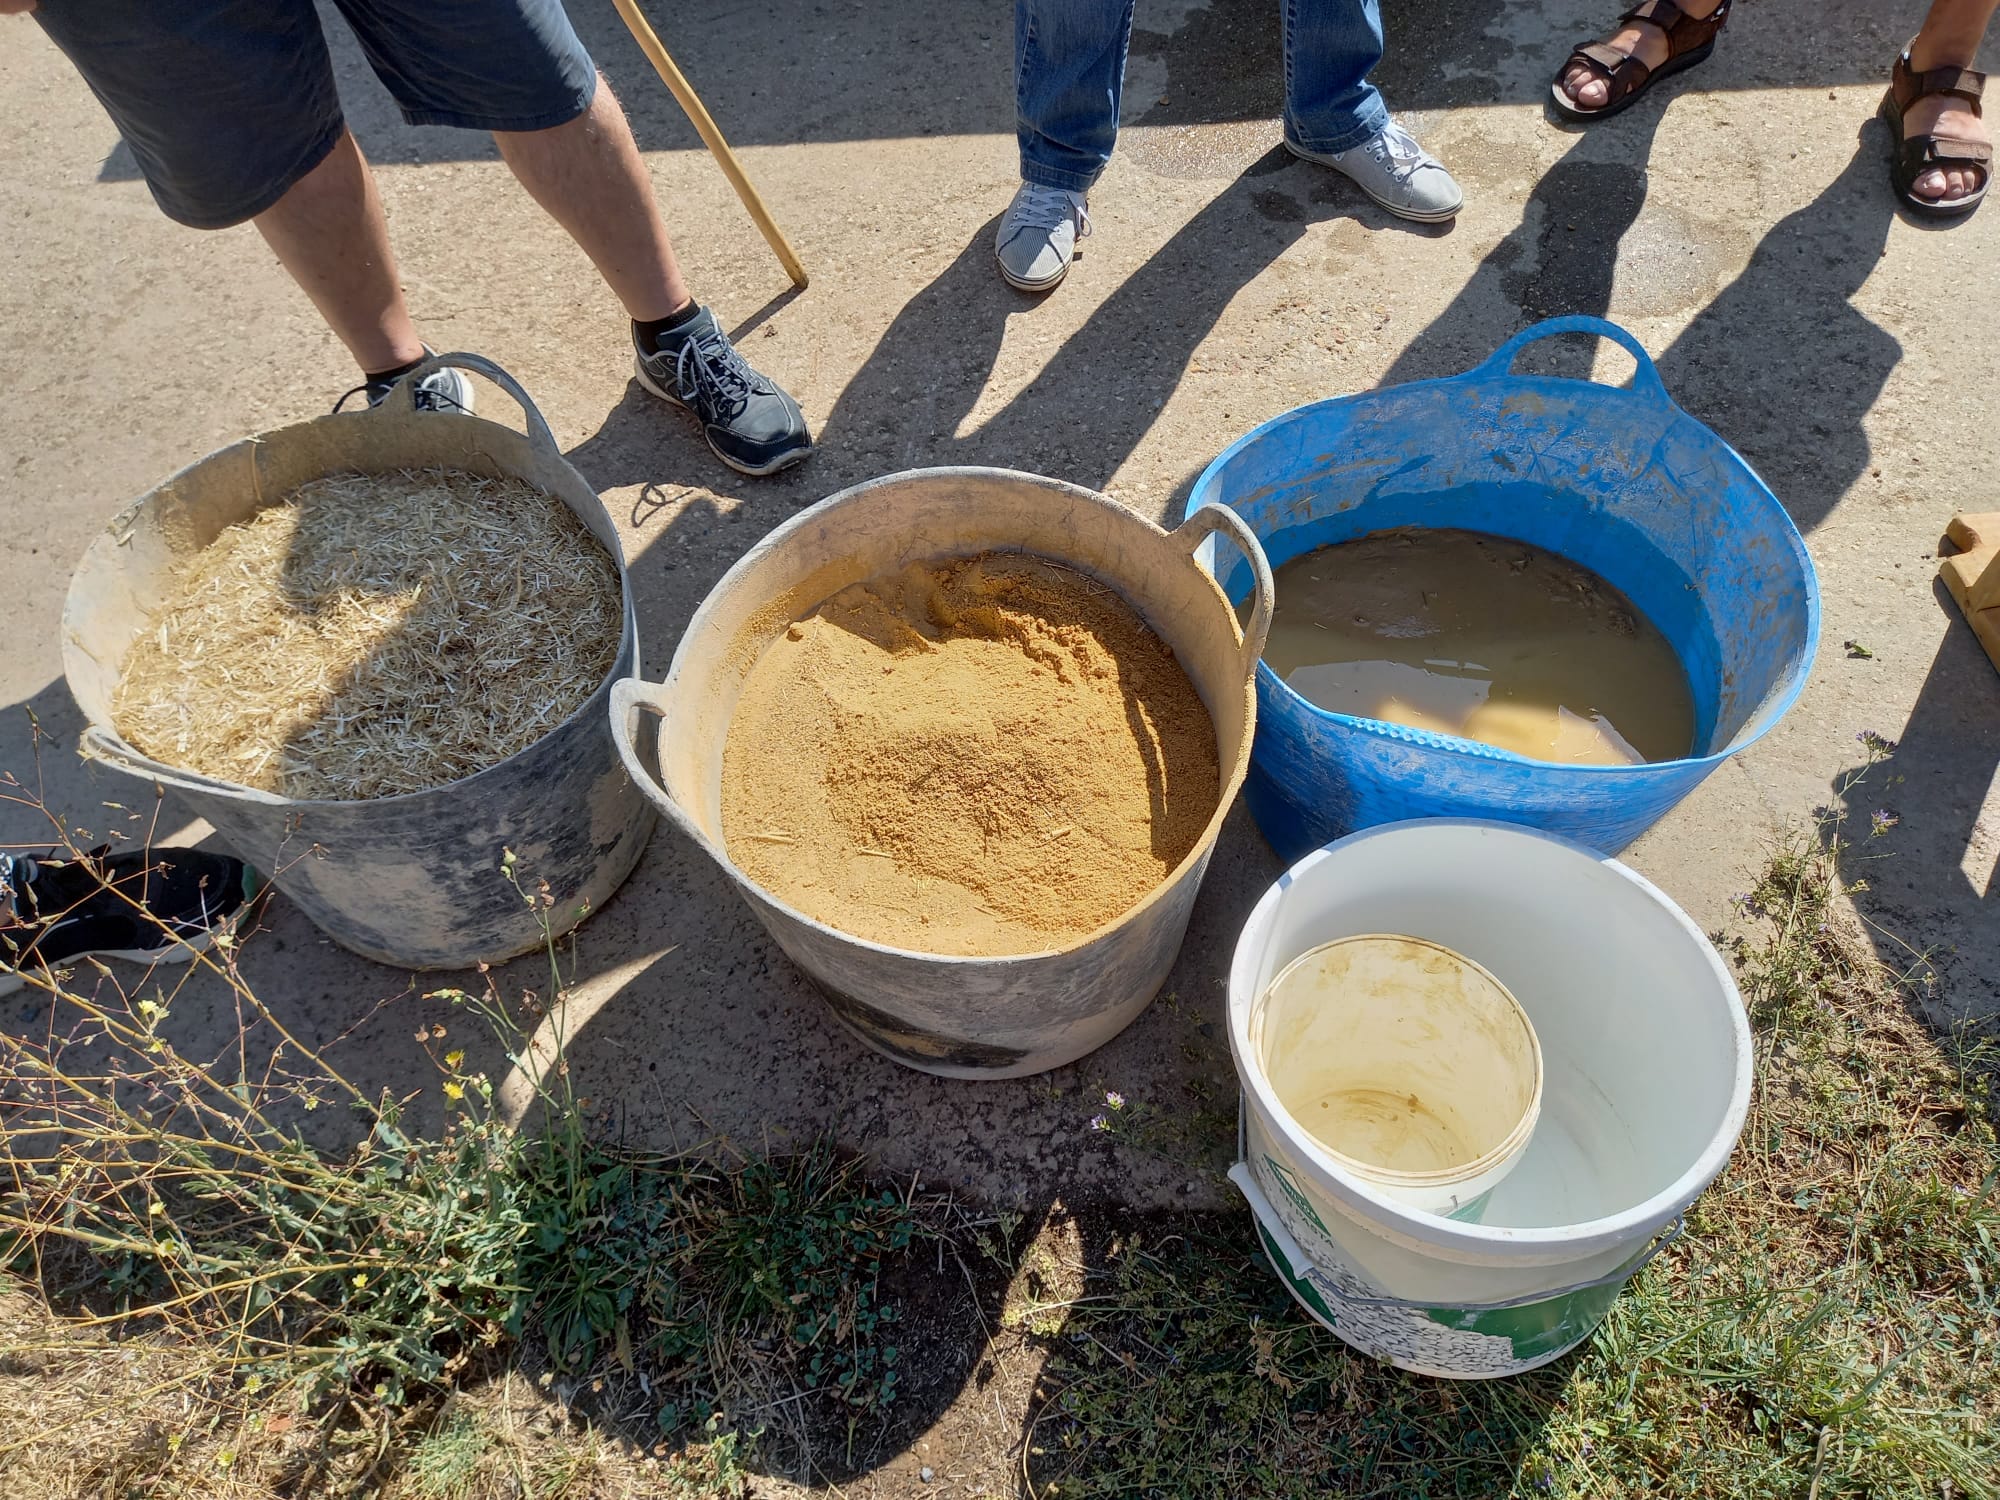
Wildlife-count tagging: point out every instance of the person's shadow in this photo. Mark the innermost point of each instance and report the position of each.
(1780, 362)
(1095, 400)
(1931, 903)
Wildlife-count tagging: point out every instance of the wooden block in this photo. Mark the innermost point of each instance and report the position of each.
(1973, 575)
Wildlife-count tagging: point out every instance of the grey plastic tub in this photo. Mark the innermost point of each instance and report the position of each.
(412, 880)
(960, 1017)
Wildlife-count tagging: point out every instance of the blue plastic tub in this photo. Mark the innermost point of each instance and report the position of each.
(1620, 480)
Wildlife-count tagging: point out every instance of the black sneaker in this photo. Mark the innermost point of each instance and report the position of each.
(753, 426)
(158, 906)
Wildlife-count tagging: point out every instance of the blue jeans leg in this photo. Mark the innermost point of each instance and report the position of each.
(1330, 48)
(1069, 72)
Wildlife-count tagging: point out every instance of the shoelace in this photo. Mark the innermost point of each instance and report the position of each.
(1401, 151)
(427, 398)
(708, 364)
(1041, 207)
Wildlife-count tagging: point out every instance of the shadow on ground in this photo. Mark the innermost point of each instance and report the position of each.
(1780, 362)
(1932, 902)
(820, 71)
(1181, 1366)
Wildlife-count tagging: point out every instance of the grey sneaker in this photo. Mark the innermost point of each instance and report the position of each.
(1038, 235)
(446, 390)
(751, 424)
(1396, 172)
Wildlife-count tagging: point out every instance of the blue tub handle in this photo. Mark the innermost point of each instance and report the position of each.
(1202, 523)
(1645, 380)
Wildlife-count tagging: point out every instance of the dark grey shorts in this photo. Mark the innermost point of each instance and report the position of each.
(227, 103)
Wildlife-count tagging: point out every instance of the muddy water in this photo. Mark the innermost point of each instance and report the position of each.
(1474, 635)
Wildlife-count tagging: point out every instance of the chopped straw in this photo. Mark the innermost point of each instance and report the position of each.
(375, 634)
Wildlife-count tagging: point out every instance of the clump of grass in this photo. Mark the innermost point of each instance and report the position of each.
(308, 1313)
(1827, 1326)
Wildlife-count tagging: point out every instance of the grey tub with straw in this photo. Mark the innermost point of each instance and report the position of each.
(411, 880)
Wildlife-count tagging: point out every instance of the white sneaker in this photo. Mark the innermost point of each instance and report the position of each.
(1038, 235)
(1396, 172)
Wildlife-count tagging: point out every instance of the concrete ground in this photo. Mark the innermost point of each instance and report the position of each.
(1739, 222)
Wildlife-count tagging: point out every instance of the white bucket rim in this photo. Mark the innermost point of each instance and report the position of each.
(1416, 1227)
(1509, 1145)
(1231, 777)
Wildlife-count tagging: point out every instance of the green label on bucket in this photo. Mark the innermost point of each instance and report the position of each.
(1294, 1194)
(1538, 1329)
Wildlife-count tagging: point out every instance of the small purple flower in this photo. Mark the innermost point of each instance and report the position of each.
(1113, 1098)
(1099, 1122)
(1881, 821)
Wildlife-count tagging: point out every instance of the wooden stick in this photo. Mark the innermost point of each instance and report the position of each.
(649, 43)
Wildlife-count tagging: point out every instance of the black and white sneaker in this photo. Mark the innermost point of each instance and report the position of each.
(151, 907)
(446, 390)
(752, 425)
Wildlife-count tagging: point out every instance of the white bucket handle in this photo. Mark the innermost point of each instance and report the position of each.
(1267, 1220)
(631, 697)
(1203, 523)
(403, 395)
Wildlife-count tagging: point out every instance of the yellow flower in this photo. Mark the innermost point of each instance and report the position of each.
(453, 1091)
(360, 1278)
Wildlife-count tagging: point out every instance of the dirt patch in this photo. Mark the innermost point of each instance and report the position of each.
(992, 755)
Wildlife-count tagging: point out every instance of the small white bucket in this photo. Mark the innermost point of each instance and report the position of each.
(1411, 1066)
(1646, 1082)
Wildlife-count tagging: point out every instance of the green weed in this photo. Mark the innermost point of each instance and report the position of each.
(345, 1295)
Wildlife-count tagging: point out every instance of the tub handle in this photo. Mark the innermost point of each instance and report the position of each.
(99, 744)
(1203, 523)
(1645, 378)
(403, 395)
(1267, 1220)
(631, 699)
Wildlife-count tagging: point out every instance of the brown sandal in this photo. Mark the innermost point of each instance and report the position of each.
(1689, 40)
(1910, 159)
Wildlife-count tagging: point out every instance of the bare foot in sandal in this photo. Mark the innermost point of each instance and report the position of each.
(1602, 77)
(1951, 118)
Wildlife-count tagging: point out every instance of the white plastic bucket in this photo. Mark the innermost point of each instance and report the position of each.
(1646, 1082)
(1409, 1064)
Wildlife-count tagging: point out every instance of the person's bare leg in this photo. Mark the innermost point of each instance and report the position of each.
(328, 231)
(1586, 86)
(588, 176)
(1950, 38)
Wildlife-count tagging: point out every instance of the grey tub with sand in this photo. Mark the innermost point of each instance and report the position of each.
(411, 880)
(965, 1017)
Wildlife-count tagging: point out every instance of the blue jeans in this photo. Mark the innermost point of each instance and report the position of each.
(1069, 71)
